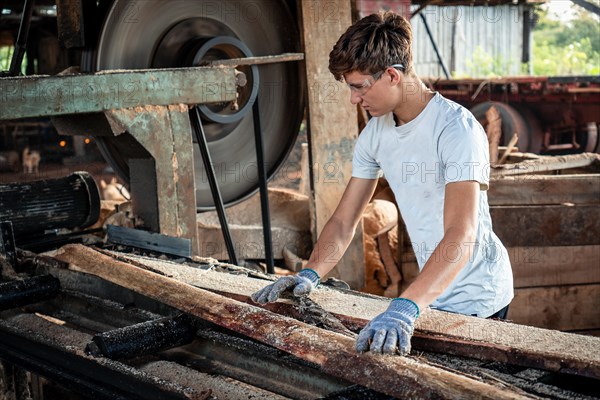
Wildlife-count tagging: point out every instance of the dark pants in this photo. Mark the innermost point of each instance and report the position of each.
(500, 314)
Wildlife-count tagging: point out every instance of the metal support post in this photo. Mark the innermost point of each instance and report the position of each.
(212, 181)
(264, 192)
(435, 48)
(21, 42)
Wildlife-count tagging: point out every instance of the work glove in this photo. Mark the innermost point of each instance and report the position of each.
(302, 284)
(390, 331)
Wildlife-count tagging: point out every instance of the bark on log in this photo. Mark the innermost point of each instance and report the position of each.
(333, 353)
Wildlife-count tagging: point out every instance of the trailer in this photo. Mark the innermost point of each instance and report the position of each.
(550, 115)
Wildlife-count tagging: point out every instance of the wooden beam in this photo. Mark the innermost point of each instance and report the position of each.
(332, 126)
(165, 180)
(517, 344)
(572, 307)
(333, 353)
(550, 225)
(545, 189)
(37, 96)
(554, 265)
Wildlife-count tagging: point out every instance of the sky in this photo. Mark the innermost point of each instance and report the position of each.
(562, 8)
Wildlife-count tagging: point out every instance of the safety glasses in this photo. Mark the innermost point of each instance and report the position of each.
(363, 87)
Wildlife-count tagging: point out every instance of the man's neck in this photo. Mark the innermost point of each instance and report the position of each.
(414, 98)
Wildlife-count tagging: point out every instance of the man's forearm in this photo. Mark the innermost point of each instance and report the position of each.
(330, 247)
(444, 265)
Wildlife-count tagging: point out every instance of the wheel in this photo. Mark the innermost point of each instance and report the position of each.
(587, 137)
(162, 34)
(512, 121)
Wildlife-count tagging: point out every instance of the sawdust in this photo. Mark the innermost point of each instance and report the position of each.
(60, 336)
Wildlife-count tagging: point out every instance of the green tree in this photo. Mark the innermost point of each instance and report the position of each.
(566, 48)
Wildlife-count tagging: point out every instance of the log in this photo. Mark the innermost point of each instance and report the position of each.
(332, 126)
(334, 353)
(450, 333)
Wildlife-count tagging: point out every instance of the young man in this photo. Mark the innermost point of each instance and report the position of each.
(434, 154)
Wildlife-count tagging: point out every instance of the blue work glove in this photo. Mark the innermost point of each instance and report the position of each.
(302, 284)
(390, 331)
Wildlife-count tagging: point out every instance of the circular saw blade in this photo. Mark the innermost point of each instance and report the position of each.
(133, 37)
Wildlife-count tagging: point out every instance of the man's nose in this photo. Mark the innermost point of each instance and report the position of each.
(355, 97)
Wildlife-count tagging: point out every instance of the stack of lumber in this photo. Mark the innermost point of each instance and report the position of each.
(222, 299)
(545, 211)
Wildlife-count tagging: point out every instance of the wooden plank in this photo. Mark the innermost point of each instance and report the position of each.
(516, 344)
(551, 225)
(333, 353)
(554, 266)
(548, 163)
(557, 307)
(332, 126)
(494, 132)
(545, 189)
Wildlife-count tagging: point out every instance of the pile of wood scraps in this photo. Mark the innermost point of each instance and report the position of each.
(469, 349)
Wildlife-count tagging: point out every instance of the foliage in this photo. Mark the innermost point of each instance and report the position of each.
(566, 48)
(6, 53)
(483, 64)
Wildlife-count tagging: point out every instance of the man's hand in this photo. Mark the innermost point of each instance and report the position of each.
(302, 284)
(390, 331)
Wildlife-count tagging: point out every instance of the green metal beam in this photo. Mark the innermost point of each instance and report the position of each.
(36, 96)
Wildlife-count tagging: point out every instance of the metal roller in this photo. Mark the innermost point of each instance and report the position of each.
(143, 338)
(28, 291)
(160, 34)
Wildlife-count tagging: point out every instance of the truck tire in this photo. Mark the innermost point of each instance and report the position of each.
(512, 121)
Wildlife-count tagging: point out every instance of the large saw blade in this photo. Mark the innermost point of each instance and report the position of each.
(159, 34)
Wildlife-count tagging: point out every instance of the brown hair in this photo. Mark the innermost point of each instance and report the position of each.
(372, 44)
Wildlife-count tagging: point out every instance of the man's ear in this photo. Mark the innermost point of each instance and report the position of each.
(396, 76)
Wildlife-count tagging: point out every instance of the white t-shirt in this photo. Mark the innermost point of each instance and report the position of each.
(443, 144)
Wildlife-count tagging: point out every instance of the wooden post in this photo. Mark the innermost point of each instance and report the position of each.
(162, 187)
(333, 126)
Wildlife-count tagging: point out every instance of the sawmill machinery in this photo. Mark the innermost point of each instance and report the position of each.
(123, 34)
(167, 34)
(236, 140)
